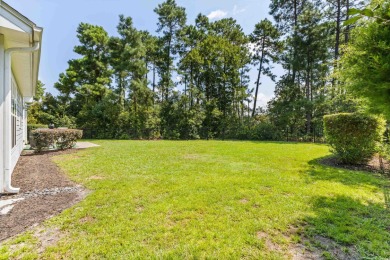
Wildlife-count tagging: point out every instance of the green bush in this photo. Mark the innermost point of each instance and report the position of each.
(66, 138)
(31, 127)
(43, 139)
(266, 132)
(55, 138)
(354, 137)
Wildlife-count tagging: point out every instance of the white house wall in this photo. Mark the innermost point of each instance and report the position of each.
(20, 41)
(1, 112)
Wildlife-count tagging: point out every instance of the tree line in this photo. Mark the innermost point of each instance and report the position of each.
(191, 80)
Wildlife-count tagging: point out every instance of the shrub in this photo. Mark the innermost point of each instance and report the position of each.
(43, 139)
(31, 127)
(55, 138)
(354, 137)
(66, 138)
(385, 148)
(266, 132)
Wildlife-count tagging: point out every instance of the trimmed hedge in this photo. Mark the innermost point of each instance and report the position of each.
(354, 137)
(31, 127)
(55, 138)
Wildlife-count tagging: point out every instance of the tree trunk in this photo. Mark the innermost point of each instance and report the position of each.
(348, 26)
(338, 31)
(308, 98)
(294, 65)
(168, 61)
(121, 93)
(154, 78)
(337, 42)
(258, 77)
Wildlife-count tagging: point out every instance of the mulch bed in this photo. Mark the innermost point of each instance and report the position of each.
(372, 166)
(45, 189)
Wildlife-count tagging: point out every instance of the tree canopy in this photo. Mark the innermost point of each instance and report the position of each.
(365, 65)
(191, 80)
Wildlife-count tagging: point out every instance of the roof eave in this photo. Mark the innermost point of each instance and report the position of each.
(37, 59)
(17, 14)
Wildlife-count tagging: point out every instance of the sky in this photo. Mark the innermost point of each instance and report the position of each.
(60, 18)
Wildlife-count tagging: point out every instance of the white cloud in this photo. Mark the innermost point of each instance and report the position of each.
(237, 10)
(217, 14)
(262, 100)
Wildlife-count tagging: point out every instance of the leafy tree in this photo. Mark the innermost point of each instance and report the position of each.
(365, 66)
(35, 109)
(86, 80)
(124, 87)
(47, 109)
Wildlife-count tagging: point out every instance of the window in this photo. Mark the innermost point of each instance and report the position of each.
(16, 115)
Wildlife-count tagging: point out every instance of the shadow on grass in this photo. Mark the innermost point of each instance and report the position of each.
(322, 172)
(346, 227)
(49, 152)
(349, 229)
(274, 142)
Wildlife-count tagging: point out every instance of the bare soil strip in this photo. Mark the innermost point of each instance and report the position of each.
(45, 189)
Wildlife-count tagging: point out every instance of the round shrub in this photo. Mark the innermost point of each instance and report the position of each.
(354, 137)
(31, 127)
(67, 138)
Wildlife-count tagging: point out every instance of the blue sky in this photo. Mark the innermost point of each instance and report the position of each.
(60, 18)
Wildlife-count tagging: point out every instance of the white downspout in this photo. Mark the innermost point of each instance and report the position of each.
(7, 114)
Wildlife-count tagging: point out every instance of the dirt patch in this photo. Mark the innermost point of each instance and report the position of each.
(295, 251)
(269, 244)
(317, 247)
(47, 237)
(372, 166)
(139, 208)
(337, 251)
(87, 219)
(244, 201)
(302, 252)
(45, 189)
(191, 157)
(96, 177)
(302, 248)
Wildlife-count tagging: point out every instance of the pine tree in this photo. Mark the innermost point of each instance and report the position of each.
(266, 47)
(86, 80)
(171, 19)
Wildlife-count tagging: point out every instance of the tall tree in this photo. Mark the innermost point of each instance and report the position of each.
(366, 62)
(126, 53)
(86, 80)
(151, 56)
(171, 19)
(306, 62)
(286, 14)
(266, 47)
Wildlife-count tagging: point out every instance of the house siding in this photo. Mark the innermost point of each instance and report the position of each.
(1, 112)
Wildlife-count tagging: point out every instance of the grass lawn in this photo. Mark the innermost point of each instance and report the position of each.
(214, 199)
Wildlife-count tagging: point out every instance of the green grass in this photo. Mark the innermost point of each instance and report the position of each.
(212, 199)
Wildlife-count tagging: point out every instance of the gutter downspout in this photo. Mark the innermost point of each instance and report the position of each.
(7, 114)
